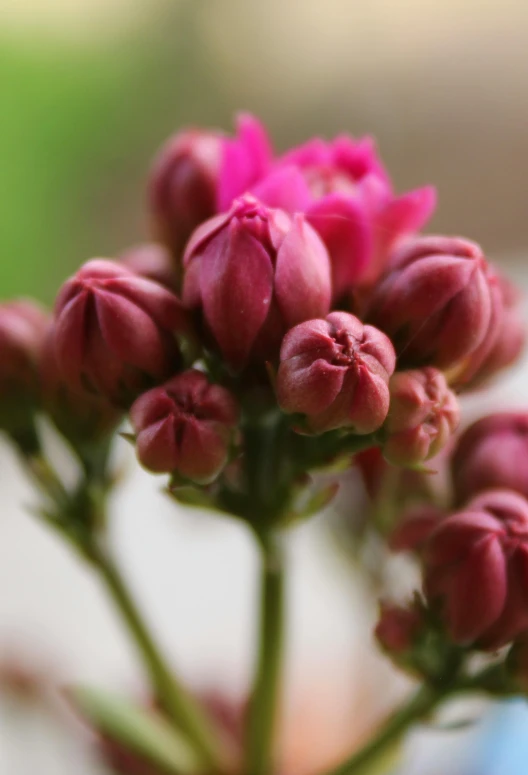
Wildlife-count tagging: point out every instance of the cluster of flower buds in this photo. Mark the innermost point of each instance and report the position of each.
(299, 278)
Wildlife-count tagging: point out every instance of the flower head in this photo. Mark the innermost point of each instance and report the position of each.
(253, 273)
(336, 372)
(185, 426)
(346, 194)
(116, 332)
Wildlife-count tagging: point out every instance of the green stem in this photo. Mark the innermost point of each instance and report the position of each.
(181, 707)
(419, 706)
(265, 694)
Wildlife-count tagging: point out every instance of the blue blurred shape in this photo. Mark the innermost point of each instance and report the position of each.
(501, 748)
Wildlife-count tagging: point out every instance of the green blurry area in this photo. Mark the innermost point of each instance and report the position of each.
(78, 128)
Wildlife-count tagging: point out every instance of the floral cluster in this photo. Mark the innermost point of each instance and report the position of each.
(291, 315)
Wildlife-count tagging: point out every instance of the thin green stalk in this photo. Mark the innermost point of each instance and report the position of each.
(181, 707)
(420, 705)
(265, 694)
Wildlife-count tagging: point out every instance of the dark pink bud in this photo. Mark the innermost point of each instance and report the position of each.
(414, 528)
(499, 350)
(185, 426)
(423, 415)
(152, 261)
(81, 417)
(435, 302)
(198, 173)
(116, 332)
(254, 273)
(491, 453)
(23, 326)
(476, 570)
(336, 372)
(398, 628)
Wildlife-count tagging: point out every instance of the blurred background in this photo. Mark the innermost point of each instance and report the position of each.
(89, 89)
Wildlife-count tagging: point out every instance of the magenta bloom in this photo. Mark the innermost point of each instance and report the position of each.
(185, 427)
(23, 326)
(476, 570)
(346, 194)
(491, 453)
(423, 415)
(254, 273)
(435, 302)
(116, 332)
(336, 372)
(198, 173)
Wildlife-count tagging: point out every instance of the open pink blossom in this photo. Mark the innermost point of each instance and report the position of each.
(347, 195)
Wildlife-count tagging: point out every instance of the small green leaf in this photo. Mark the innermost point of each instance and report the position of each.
(130, 437)
(142, 731)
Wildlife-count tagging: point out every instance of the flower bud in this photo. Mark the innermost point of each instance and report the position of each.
(414, 528)
(501, 350)
(152, 261)
(184, 427)
(336, 372)
(492, 453)
(115, 332)
(22, 329)
(435, 301)
(254, 273)
(476, 570)
(398, 628)
(198, 173)
(422, 416)
(82, 418)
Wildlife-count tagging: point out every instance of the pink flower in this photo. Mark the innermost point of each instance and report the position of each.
(346, 194)
(198, 173)
(491, 453)
(398, 628)
(423, 415)
(476, 570)
(435, 302)
(23, 326)
(254, 273)
(115, 332)
(185, 427)
(336, 373)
